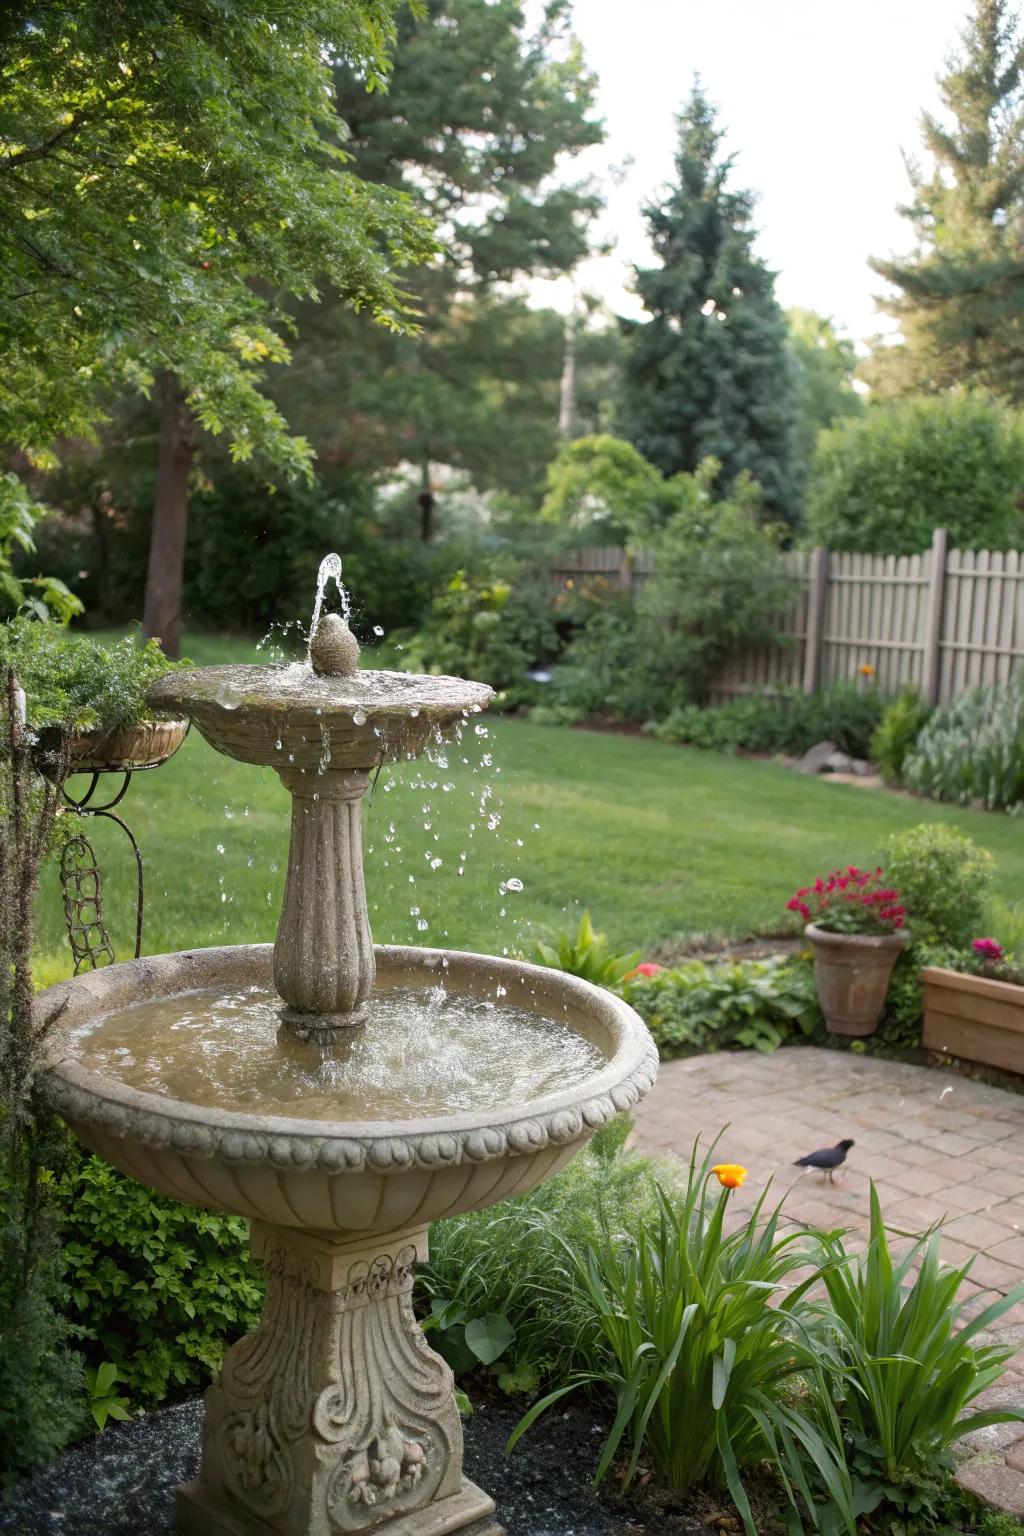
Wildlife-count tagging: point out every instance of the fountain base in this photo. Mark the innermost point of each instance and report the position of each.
(201, 1513)
(335, 1416)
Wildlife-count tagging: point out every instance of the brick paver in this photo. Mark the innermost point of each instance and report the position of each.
(940, 1148)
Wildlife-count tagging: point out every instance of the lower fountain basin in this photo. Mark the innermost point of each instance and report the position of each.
(345, 1180)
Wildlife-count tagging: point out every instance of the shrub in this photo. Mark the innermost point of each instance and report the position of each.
(720, 579)
(973, 749)
(907, 1365)
(883, 481)
(509, 1262)
(483, 627)
(897, 732)
(707, 1007)
(788, 721)
(944, 879)
(708, 1376)
(156, 1288)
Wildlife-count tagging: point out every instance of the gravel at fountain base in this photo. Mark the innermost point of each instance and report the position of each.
(120, 1483)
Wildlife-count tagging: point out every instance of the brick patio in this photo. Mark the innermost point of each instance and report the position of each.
(939, 1147)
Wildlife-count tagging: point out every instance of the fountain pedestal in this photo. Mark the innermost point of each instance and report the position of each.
(323, 957)
(334, 1416)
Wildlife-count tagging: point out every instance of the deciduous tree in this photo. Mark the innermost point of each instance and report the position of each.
(169, 175)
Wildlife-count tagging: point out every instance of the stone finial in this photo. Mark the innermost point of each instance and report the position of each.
(334, 650)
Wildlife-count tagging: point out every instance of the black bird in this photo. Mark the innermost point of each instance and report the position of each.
(828, 1159)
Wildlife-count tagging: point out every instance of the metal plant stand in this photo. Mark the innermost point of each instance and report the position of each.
(135, 750)
(82, 884)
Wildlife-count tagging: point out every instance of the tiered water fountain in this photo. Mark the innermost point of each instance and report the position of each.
(343, 1098)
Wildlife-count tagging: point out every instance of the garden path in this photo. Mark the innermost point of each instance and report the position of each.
(941, 1149)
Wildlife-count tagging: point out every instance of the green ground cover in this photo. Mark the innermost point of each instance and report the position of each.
(656, 840)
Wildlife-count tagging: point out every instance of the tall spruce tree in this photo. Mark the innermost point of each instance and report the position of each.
(482, 107)
(709, 373)
(959, 295)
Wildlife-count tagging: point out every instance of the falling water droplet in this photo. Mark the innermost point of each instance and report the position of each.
(514, 884)
(359, 717)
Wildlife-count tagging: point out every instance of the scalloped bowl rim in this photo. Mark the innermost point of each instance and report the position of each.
(627, 1073)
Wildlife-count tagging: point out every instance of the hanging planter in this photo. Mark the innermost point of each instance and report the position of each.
(126, 748)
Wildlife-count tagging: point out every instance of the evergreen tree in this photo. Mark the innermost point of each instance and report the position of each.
(708, 374)
(959, 298)
(480, 111)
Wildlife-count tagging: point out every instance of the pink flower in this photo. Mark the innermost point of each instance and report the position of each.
(988, 949)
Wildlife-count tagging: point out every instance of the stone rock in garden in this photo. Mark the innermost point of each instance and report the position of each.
(840, 762)
(815, 759)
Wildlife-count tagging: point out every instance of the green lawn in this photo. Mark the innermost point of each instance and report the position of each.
(656, 840)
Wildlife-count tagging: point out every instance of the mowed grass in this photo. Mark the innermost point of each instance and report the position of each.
(658, 841)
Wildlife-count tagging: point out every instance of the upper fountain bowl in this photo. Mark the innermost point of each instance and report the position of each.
(292, 717)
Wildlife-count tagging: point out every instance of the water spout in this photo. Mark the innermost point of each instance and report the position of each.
(330, 570)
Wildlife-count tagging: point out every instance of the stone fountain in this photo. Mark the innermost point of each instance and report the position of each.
(342, 1097)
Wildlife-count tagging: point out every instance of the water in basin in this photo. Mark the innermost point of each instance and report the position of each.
(421, 1052)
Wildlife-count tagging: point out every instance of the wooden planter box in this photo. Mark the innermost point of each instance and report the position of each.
(974, 1017)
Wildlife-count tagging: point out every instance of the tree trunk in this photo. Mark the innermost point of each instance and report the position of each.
(426, 501)
(567, 391)
(162, 611)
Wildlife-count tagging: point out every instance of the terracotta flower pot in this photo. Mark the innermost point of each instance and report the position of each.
(852, 972)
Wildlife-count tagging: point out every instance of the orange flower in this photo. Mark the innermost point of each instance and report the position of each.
(866, 669)
(730, 1175)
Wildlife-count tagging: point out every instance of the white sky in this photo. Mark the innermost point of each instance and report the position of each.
(819, 98)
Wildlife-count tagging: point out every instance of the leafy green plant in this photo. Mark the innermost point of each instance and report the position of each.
(585, 954)
(709, 1377)
(897, 731)
(696, 1006)
(468, 1342)
(973, 750)
(71, 680)
(509, 1261)
(484, 627)
(909, 1368)
(155, 1287)
(900, 1029)
(944, 880)
(104, 1401)
(44, 597)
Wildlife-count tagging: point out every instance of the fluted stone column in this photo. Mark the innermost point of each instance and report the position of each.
(334, 1418)
(323, 954)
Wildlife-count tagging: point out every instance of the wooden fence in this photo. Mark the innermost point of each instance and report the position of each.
(943, 621)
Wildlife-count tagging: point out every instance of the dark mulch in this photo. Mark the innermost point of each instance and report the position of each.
(120, 1483)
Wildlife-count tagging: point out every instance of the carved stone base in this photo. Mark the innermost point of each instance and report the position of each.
(201, 1513)
(334, 1417)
